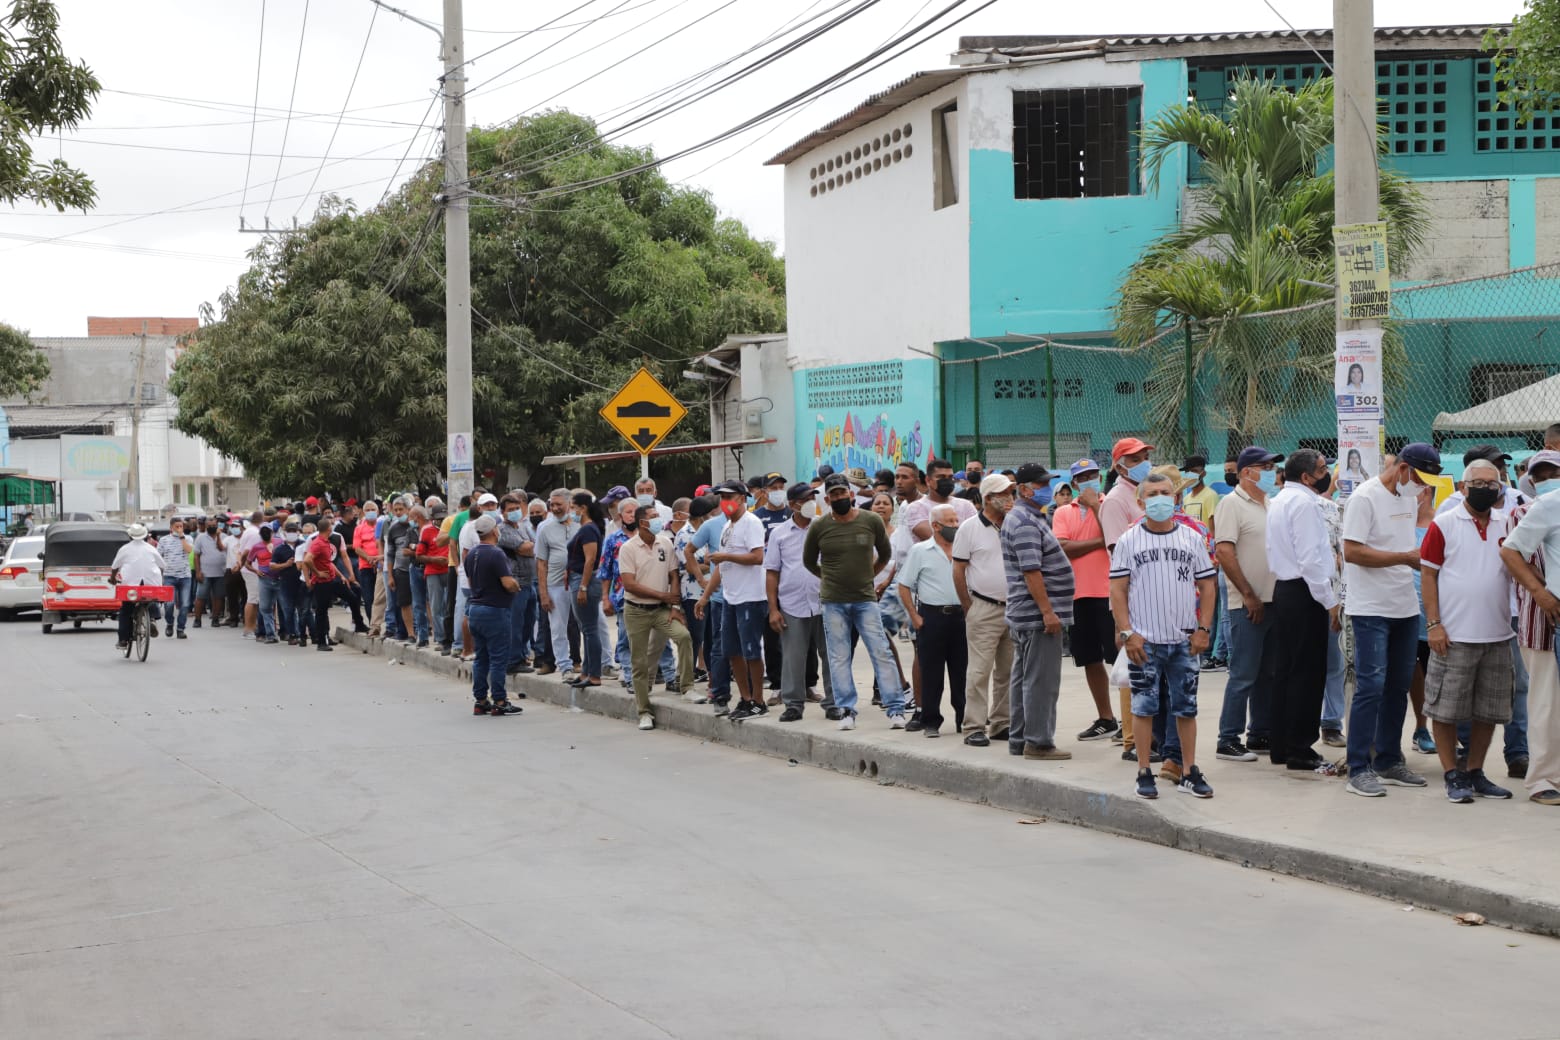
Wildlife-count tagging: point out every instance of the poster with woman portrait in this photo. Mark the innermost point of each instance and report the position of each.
(1357, 381)
(1359, 454)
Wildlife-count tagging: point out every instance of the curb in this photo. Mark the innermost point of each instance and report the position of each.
(1033, 794)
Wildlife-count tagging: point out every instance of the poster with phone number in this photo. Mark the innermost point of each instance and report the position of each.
(1357, 374)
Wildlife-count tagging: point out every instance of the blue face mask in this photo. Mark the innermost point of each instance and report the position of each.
(1089, 485)
(1195, 478)
(750, 501)
(656, 525)
(1138, 472)
(645, 500)
(1160, 508)
(1267, 480)
(1544, 487)
(371, 516)
(515, 515)
(1041, 495)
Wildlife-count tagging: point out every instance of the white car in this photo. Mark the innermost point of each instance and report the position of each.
(21, 575)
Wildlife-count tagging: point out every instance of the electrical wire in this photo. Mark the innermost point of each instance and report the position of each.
(545, 26)
(561, 40)
(303, 30)
(397, 171)
(241, 107)
(255, 108)
(117, 247)
(190, 151)
(369, 35)
(522, 35)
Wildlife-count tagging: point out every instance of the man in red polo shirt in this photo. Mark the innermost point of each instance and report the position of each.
(319, 568)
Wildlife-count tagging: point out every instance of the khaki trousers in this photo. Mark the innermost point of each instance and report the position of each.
(642, 624)
(376, 623)
(1543, 728)
(991, 667)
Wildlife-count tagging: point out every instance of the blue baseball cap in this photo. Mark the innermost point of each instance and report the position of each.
(1083, 466)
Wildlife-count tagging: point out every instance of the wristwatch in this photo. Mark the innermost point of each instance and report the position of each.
(1124, 635)
(1205, 628)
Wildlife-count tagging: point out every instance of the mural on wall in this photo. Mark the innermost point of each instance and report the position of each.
(869, 417)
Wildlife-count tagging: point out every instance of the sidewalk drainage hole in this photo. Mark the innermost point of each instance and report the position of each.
(861, 766)
(872, 769)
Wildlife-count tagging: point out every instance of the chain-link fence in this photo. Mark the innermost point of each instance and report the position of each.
(1464, 362)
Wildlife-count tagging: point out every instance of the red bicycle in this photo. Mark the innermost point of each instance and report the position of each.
(145, 599)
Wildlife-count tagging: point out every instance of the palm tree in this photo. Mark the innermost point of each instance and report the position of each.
(1257, 238)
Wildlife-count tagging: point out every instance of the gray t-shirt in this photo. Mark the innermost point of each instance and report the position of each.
(213, 561)
(397, 535)
(552, 545)
(521, 568)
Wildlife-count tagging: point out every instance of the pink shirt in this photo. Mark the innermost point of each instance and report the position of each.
(1091, 571)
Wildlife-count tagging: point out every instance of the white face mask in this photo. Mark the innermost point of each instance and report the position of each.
(291, 537)
(777, 500)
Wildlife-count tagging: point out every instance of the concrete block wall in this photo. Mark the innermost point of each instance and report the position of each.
(1469, 233)
(1548, 220)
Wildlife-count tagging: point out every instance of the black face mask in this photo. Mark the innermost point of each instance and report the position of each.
(945, 487)
(630, 525)
(948, 533)
(1481, 499)
(1231, 477)
(974, 477)
(1321, 486)
(841, 506)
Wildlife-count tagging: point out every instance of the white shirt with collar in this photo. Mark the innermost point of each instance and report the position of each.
(1380, 518)
(139, 563)
(1297, 545)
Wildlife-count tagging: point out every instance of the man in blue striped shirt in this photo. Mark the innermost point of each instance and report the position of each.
(1039, 604)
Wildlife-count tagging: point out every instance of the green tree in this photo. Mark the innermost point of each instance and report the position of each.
(40, 90)
(1527, 59)
(324, 366)
(23, 367)
(1257, 237)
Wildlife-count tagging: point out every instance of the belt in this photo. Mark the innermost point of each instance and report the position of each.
(988, 599)
(941, 608)
(647, 606)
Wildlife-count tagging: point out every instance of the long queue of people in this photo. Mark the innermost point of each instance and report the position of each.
(755, 595)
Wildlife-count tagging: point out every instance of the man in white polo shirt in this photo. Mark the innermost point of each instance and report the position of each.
(1468, 619)
(981, 581)
(1379, 563)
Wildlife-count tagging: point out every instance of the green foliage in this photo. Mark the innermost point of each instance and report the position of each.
(324, 367)
(40, 90)
(1256, 238)
(1527, 59)
(23, 367)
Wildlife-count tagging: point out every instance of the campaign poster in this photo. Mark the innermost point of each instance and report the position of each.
(1359, 454)
(1357, 375)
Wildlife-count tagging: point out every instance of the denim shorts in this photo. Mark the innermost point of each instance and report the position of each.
(1170, 671)
(742, 629)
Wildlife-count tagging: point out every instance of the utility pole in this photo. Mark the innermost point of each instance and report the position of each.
(457, 249)
(133, 500)
(457, 255)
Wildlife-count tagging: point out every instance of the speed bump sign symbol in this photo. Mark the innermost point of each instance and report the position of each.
(643, 411)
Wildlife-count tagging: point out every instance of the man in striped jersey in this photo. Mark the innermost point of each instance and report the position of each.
(1530, 554)
(1162, 594)
(1039, 603)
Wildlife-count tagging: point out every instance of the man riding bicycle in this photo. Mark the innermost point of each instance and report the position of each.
(137, 563)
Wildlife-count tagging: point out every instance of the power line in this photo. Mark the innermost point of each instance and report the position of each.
(116, 247)
(549, 25)
(372, 18)
(303, 30)
(397, 171)
(189, 151)
(562, 39)
(255, 109)
(240, 107)
(522, 35)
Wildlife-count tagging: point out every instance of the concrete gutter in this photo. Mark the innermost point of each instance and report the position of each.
(1006, 784)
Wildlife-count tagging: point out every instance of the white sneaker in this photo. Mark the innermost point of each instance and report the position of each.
(849, 721)
(647, 721)
(896, 722)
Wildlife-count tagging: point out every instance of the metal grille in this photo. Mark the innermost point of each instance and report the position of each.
(1495, 125)
(1075, 143)
(856, 386)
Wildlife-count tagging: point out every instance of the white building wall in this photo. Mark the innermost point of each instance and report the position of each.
(1470, 232)
(871, 267)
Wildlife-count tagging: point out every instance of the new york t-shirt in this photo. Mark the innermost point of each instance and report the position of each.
(1163, 568)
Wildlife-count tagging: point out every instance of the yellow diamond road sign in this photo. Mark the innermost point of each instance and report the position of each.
(643, 411)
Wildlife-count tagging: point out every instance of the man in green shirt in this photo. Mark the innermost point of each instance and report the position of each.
(846, 548)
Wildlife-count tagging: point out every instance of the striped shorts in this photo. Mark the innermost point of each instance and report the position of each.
(1473, 682)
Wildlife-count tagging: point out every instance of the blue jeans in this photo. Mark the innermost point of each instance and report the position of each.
(437, 590)
(394, 583)
(715, 651)
(419, 585)
(294, 622)
(1332, 694)
(1166, 681)
(270, 595)
(1385, 650)
(840, 621)
(1251, 678)
(490, 628)
(522, 616)
(458, 636)
(1221, 624)
(588, 616)
(181, 600)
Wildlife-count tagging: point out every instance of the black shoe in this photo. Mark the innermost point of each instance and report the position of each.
(153, 629)
(169, 630)
(423, 645)
(195, 623)
(1259, 744)
(833, 714)
(1001, 734)
(360, 628)
(791, 715)
(523, 669)
(932, 731)
(1131, 756)
(1101, 729)
(482, 708)
(700, 675)
(1234, 751)
(915, 725)
(672, 686)
(759, 709)
(505, 708)
(877, 701)
(742, 711)
(978, 739)
(181, 635)
(1517, 768)
(326, 648)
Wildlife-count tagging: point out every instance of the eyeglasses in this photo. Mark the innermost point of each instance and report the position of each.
(1483, 484)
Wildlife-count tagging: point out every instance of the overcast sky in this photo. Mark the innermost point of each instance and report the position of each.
(171, 172)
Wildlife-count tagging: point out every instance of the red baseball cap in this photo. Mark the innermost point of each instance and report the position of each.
(1128, 446)
(701, 491)
(311, 501)
(350, 502)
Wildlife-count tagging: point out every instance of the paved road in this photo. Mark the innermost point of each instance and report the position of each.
(242, 841)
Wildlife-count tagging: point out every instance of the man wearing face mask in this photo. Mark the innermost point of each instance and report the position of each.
(518, 542)
(981, 581)
(1380, 557)
(740, 579)
(796, 612)
(396, 538)
(773, 510)
(645, 494)
(846, 550)
(1121, 508)
(211, 568)
(1305, 605)
(931, 602)
(974, 473)
(939, 484)
(1241, 548)
(1532, 556)
(1039, 604)
(1467, 595)
(1092, 637)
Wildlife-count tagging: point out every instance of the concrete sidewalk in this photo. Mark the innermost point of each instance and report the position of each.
(1414, 847)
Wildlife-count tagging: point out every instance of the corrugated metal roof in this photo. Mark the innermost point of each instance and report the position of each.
(63, 417)
(989, 53)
